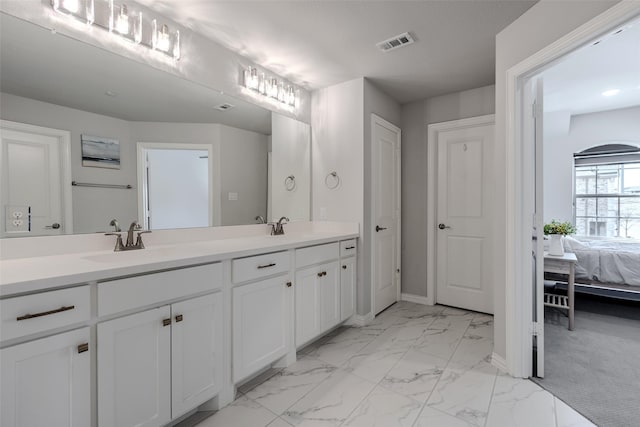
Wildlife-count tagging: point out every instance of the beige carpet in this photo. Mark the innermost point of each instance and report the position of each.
(596, 368)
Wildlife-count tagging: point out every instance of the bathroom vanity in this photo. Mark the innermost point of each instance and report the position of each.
(95, 337)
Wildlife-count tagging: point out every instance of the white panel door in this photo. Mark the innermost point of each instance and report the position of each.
(134, 362)
(32, 181)
(47, 382)
(260, 325)
(196, 352)
(330, 295)
(348, 288)
(463, 238)
(307, 291)
(385, 273)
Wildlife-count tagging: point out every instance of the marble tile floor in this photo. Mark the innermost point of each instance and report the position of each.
(413, 366)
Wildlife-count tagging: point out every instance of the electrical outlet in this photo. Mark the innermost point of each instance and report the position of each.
(16, 219)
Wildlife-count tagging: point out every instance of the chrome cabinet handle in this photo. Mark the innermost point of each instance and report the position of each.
(441, 226)
(273, 264)
(378, 228)
(45, 313)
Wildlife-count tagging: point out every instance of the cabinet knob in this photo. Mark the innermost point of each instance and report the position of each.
(344, 267)
(166, 322)
(320, 274)
(288, 284)
(83, 347)
(179, 318)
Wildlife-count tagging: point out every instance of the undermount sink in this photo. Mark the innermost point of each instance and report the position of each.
(134, 254)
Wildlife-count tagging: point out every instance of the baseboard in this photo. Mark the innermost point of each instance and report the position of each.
(499, 362)
(414, 298)
(360, 320)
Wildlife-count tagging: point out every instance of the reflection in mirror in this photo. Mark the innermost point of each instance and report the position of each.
(64, 89)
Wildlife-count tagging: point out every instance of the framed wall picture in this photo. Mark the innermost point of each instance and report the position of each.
(100, 152)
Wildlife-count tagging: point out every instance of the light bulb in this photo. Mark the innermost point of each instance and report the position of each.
(162, 39)
(273, 92)
(262, 84)
(137, 28)
(71, 5)
(281, 92)
(122, 20)
(176, 46)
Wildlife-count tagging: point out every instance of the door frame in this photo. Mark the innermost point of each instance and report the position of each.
(433, 133)
(64, 141)
(213, 151)
(519, 299)
(377, 120)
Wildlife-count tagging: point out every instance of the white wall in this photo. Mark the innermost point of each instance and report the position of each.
(586, 131)
(544, 23)
(378, 103)
(415, 118)
(341, 134)
(93, 208)
(290, 156)
(203, 61)
(337, 129)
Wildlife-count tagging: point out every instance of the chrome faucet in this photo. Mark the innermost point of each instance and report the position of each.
(134, 227)
(260, 219)
(276, 227)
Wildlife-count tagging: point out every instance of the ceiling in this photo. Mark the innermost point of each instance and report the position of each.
(34, 63)
(320, 43)
(576, 83)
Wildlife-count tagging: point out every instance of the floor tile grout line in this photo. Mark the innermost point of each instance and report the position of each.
(555, 409)
(493, 391)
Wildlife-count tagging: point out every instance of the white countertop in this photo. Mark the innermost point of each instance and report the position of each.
(22, 275)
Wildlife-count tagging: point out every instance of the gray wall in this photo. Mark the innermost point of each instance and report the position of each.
(416, 116)
(544, 23)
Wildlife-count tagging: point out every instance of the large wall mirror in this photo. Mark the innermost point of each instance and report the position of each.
(138, 144)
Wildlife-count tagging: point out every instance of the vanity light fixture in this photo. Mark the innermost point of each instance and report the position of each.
(79, 9)
(269, 87)
(121, 21)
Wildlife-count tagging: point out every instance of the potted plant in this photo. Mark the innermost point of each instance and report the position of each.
(556, 230)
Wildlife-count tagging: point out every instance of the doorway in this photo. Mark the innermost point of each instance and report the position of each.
(520, 139)
(36, 181)
(175, 185)
(385, 213)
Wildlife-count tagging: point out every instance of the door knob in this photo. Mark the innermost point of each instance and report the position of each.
(441, 226)
(55, 226)
(378, 228)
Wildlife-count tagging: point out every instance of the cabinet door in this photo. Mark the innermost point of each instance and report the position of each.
(134, 362)
(330, 295)
(307, 296)
(196, 352)
(46, 382)
(260, 325)
(348, 287)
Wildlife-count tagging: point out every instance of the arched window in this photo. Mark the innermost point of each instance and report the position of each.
(607, 191)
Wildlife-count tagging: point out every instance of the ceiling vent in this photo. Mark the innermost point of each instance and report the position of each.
(224, 107)
(401, 40)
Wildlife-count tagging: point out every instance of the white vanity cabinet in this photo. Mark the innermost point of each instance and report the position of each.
(46, 381)
(261, 312)
(317, 291)
(156, 365)
(348, 278)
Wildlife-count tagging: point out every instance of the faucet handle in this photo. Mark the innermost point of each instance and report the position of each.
(119, 245)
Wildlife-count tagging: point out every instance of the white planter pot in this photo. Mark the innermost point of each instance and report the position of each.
(556, 245)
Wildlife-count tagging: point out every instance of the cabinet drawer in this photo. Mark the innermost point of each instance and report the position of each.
(44, 311)
(126, 294)
(316, 254)
(348, 248)
(256, 267)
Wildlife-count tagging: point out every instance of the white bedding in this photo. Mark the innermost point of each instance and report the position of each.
(606, 261)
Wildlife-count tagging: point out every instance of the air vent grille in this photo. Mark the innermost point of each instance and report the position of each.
(401, 40)
(224, 107)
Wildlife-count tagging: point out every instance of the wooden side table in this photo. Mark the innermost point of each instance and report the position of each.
(565, 264)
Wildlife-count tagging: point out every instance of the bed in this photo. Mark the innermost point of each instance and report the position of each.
(606, 262)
